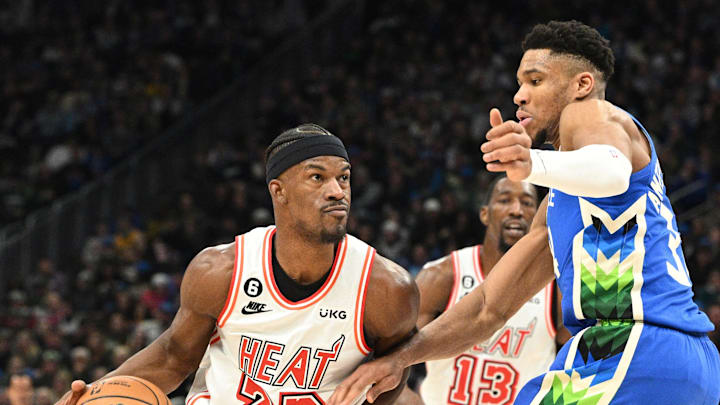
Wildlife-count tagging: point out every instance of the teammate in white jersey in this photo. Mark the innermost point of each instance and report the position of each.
(492, 371)
(283, 314)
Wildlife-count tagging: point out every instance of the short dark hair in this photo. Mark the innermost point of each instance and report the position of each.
(573, 38)
(292, 135)
(493, 185)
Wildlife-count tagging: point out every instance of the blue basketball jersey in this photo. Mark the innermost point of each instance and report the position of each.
(620, 257)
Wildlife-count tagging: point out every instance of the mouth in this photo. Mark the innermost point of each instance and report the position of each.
(516, 229)
(338, 211)
(523, 118)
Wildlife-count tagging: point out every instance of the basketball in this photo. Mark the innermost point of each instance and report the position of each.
(124, 389)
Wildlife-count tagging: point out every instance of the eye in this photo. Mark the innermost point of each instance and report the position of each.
(504, 200)
(528, 203)
(535, 82)
(316, 177)
(345, 177)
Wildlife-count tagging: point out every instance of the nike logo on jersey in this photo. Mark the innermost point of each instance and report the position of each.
(253, 307)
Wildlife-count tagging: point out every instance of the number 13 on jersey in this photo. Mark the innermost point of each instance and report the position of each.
(497, 385)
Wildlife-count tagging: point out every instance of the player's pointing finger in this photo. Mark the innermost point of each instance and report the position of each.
(495, 117)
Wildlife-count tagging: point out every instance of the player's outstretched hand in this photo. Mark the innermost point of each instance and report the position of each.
(507, 148)
(77, 388)
(384, 374)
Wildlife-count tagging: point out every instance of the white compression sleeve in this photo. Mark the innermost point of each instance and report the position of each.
(591, 171)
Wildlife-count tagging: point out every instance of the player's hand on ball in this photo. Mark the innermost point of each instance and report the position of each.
(383, 374)
(77, 388)
(507, 148)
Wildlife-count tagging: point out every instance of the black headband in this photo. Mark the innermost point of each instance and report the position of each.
(304, 148)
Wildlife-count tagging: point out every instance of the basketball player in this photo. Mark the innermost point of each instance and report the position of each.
(606, 230)
(283, 314)
(495, 369)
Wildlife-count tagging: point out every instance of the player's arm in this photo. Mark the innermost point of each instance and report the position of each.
(435, 282)
(523, 271)
(596, 156)
(176, 353)
(595, 160)
(391, 309)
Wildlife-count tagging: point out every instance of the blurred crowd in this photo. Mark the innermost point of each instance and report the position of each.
(410, 100)
(85, 83)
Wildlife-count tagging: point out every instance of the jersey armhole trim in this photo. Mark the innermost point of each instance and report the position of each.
(214, 337)
(549, 312)
(235, 284)
(477, 262)
(193, 398)
(360, 302)
(455, 261)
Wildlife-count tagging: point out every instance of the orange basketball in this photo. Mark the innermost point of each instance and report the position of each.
(123, 390)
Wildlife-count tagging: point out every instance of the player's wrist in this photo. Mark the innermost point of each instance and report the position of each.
(403, 357)
(538, 169)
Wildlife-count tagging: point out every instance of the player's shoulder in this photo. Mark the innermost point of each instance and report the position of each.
(588, 105)
(207, 278)
(445, 264)
(215, 257)
(388, 275)
(587, 117)
(590, 109)
(439, 269)
(392, 300)
(593, 110)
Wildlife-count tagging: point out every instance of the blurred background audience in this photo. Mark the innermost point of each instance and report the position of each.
(87, 84)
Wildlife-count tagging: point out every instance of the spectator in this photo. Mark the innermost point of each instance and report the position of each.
(80, 365)
(409, 97)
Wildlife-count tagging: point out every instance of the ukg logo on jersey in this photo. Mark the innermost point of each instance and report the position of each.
(332, 313)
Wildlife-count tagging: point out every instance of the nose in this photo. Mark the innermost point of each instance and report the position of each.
(333, 191)
(516, 208)
(521, 96)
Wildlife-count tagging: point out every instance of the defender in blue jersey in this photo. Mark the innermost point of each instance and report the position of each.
(606, 232)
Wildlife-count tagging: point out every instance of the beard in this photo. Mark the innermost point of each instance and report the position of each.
(333, 235)
(540, 139)
(503, 246)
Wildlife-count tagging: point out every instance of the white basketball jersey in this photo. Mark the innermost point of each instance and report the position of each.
(268, 350)
(494, 371)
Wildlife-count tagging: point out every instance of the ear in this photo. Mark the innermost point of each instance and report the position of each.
(484, 213)
(584, 84)
(277, 191)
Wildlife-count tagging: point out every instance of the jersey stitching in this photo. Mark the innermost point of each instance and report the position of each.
(456, 279)
(478, 263)
(191, 400)
(234, 285)
(319, 294)
(360, 302)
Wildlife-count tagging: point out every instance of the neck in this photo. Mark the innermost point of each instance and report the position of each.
(489, 254)
(302, 260)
